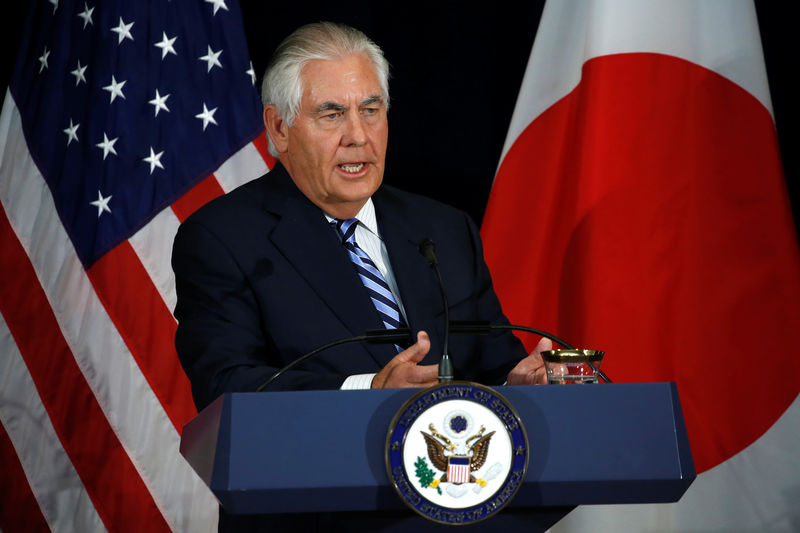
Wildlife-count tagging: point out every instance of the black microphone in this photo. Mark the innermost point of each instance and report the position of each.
(426, 248)
(375, 336)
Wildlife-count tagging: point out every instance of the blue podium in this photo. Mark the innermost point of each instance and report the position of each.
(323, 451)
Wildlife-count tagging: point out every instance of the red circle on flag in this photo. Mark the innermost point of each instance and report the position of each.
(657, 228)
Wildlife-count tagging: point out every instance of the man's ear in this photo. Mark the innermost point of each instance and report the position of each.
(277, 129)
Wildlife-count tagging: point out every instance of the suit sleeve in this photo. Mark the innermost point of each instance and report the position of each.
(221, 341)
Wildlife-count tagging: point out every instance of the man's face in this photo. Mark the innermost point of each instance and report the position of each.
(336, 148)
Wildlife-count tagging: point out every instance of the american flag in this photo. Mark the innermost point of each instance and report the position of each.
(458, 469)
(121, 119)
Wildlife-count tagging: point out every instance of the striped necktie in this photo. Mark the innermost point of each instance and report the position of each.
(371, 277)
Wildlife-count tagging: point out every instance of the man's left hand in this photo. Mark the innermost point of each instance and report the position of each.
(531, 370)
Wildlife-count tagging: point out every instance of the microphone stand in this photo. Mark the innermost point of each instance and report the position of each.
(373, 336)
(446, 372)
(394, 336)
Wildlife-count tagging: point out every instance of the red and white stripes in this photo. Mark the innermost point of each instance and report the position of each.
(93, 395)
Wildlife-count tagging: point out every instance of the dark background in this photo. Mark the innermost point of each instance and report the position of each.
(455, 74)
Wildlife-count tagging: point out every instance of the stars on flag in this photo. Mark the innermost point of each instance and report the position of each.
(107, 145)
(154, 159)
(159, 102)
(115, 88)
(86, 15)
(43, 59)
(207, 116)
(212, 58)
(217, 4)
(166, 45)
(72, 132)
(79, 73)
(101, 203)
(252, 73)
(83, 118)
(123, 31)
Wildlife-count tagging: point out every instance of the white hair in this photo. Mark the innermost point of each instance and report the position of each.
(282, 85)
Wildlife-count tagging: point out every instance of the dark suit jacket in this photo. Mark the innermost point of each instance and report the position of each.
(262, 278)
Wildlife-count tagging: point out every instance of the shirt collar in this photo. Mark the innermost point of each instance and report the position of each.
(366, 217)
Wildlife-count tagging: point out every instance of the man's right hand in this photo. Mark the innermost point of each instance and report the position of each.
(403, 371)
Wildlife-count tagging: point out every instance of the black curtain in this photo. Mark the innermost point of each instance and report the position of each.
(455, 76)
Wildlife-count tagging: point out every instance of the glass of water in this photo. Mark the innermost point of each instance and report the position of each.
(567, 367)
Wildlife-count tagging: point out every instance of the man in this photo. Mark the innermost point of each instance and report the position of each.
(269, 271)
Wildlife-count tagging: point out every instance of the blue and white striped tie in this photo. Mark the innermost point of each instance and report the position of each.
(371, 277)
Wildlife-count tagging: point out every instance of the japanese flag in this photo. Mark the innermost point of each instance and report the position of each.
(640, 208)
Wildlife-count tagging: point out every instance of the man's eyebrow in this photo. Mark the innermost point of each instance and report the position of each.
(330, 106)
(373, 99)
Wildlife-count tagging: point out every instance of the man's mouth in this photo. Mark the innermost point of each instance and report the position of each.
(352, 168)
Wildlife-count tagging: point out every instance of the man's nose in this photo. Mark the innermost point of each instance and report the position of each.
(355, 133)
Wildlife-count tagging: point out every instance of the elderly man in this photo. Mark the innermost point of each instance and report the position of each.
(319, 249)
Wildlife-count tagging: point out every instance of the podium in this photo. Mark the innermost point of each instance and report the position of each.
(323, 451)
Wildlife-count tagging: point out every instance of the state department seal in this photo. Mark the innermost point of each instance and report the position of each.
(457, 452)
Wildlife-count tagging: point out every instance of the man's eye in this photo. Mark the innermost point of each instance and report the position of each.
(370, 110)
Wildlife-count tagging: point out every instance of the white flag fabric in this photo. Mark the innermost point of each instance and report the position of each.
(640, 208)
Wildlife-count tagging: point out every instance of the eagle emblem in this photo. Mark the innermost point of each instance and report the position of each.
(457, 460)
(457, 452)
(457, 456)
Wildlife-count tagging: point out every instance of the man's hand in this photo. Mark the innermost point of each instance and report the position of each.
(531, 370)
(403, 371)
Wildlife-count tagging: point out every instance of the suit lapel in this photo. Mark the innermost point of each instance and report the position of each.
(303, 236)
(415, 280)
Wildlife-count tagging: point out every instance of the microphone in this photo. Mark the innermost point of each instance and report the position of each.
(426, 248)
(395, 336)
(375, 336)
